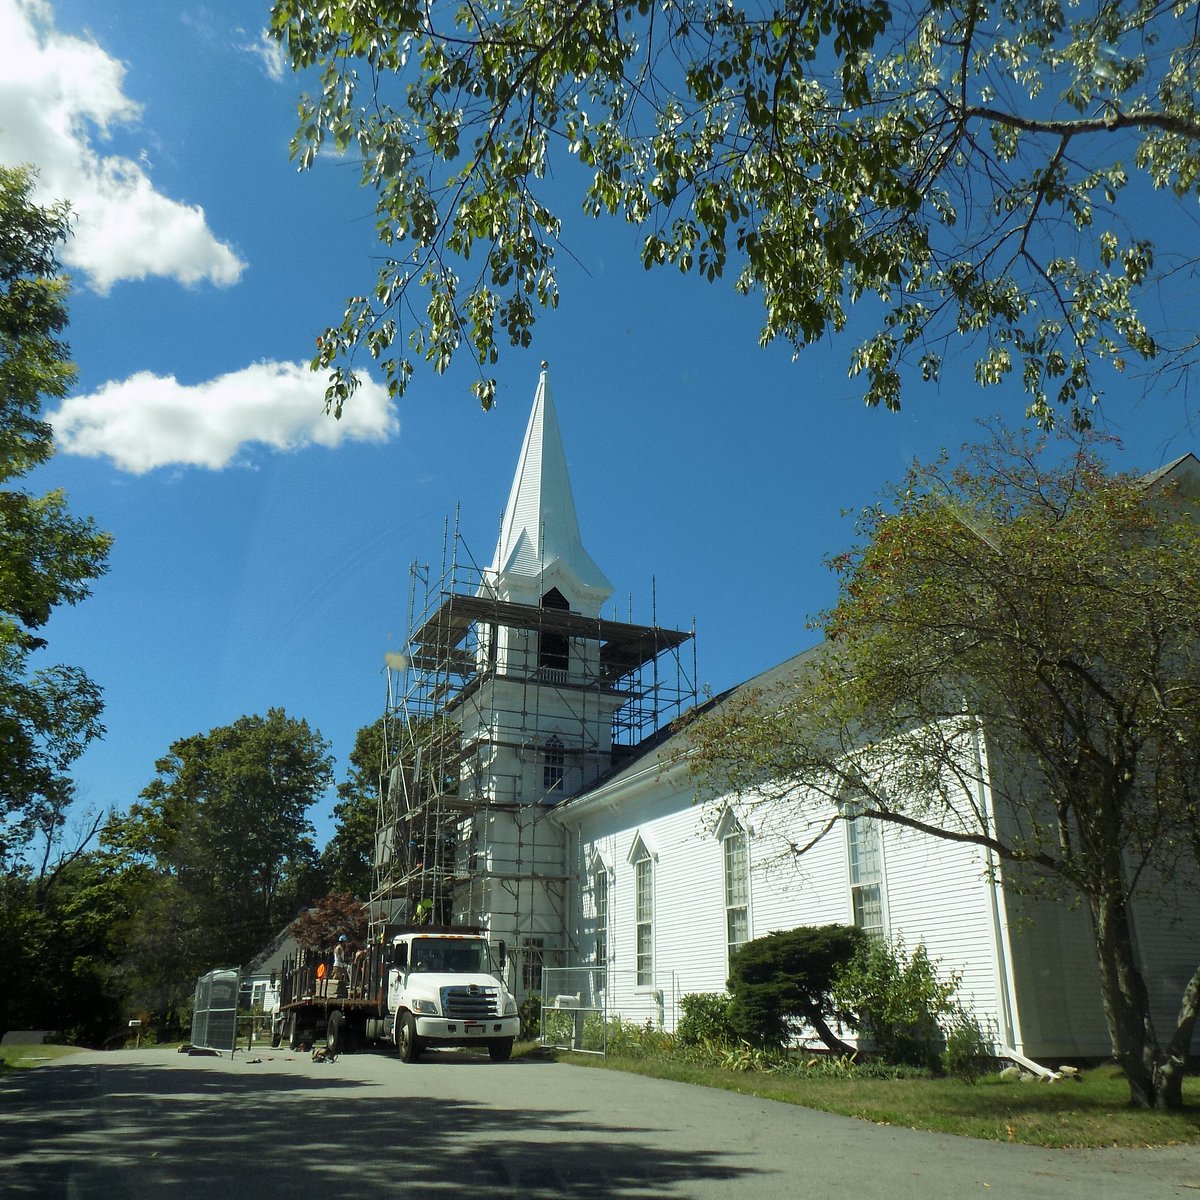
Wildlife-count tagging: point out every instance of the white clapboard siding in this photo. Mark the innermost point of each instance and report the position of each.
(1026, 962)
(938, 894)
(1168, 937)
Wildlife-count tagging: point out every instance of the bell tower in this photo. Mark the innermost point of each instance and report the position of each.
(518, 693)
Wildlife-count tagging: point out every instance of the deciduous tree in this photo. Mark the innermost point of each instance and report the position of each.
(349, 856)
(226, 820)
(965, 170)
(48, 558)
(337, 915)
(1013, 662)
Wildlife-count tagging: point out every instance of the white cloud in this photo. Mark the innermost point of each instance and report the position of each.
(149, 421)
(269, 54)
(60, 95)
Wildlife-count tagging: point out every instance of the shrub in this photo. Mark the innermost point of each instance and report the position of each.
(594, 1032)
(707, 1017)
(898, 1000)
(627, 1040)
(744, 1057)
(559, 1027)
(531, 1018)
(968, 1053)
(784, 980)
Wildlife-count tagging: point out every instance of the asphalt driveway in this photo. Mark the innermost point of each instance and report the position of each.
(272, 1124)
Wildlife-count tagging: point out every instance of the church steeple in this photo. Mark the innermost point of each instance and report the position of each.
(540, 545)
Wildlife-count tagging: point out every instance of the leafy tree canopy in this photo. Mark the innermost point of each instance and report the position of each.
(348, 858)
(60, 946)
(1013, 662)
(47, 557)
(226, 822)
(337, 915)
(976, 170)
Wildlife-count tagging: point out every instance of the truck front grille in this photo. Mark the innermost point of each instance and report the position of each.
(472, 1003)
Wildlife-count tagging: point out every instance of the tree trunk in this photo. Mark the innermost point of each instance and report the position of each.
(1172, 1065)
(1126, 1002)
(813, 1015)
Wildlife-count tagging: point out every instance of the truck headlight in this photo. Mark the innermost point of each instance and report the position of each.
(427, 1007)
(510, 1006)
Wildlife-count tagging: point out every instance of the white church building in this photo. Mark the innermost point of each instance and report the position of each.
(535, 789)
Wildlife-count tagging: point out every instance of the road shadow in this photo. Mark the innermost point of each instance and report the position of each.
(132, 1129)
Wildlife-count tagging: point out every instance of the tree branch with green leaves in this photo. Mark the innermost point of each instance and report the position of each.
(821, 155)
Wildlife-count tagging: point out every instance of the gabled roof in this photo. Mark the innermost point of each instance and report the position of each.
(540, 528)
(668, 747)
(1185, 464)
(1181, 476)
(270, 958)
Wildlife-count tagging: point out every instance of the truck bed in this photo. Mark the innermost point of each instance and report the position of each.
(361, 988)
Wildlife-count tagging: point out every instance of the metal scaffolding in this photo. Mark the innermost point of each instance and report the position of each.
(468, 772)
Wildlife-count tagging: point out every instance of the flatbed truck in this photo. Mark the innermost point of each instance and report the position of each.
(416, 986)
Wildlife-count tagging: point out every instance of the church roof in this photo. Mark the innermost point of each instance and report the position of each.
(669, 746)
(540, 526)
(1183, 464)
(1181, 476)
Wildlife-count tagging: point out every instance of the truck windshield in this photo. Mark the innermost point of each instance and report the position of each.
(451, 955)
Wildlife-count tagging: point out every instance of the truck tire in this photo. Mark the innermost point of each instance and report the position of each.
(408, 1045)
(335, 1035)
(500, 1049)
(276, 1032)
(293, 1032)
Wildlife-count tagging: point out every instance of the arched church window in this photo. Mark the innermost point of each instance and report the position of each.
(600, 901)
(553, 765)
(643, 894)
(865, 849)
(735, 847)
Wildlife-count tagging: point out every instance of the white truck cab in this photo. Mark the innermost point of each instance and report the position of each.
(446, 989)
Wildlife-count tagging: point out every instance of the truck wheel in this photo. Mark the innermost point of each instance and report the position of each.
(335, 1035)
(293, 1032)
(276, 1032)
(407, 1042)
(500, 1049)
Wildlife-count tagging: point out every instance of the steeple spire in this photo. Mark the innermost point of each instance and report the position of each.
(539, 536)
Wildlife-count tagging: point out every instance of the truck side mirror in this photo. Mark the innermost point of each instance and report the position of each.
(400, 955)
(502, 951)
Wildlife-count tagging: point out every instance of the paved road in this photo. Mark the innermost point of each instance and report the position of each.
(136, 1124)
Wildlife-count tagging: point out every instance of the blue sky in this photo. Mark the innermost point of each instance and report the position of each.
(261, 550)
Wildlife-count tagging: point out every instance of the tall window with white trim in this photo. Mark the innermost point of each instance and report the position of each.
(553, 765)
(643, 890)
(735, 851)
(600, 900)
(865, 849)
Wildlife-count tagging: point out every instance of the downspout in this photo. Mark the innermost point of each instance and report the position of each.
(999, 936)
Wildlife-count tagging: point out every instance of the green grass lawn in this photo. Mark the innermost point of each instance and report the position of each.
(1091, 1112)
(14, 1058)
